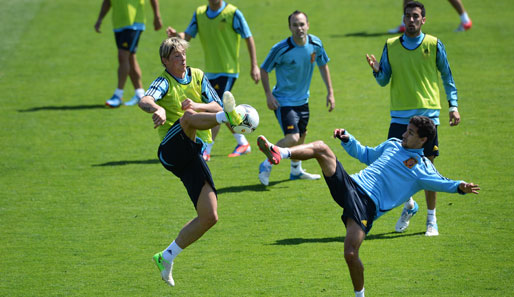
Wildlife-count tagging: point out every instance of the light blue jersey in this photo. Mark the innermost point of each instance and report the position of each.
(293, 66)
(395, 174)
(384, 75)
(239, 25)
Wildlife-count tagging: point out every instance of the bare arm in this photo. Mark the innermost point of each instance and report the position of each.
(157, 22)
(212, 107)
(104, 9)
(148, 105)
(325, 75)
(254, 72)
(271, 101)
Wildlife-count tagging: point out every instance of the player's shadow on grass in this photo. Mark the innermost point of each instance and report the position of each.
(297, 241)
(360, 34)
(65, 107)
(253, 188)
(127, 162)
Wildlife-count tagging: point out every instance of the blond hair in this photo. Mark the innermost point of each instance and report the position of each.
(171, 44)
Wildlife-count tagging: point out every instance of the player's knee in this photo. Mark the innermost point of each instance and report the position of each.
(351, 255)
(320, 147)
(293, 139)
(209, 219)
(187, 119)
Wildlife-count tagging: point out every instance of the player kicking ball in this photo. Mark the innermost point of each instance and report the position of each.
(185, 107)
(396, 170)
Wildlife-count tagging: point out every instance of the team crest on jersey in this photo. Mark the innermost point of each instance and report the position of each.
(313, 57)
(410, 162)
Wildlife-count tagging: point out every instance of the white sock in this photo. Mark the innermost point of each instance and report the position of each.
(140, 93)
(171, 252)
(296, 167)
(221, 117)
(209, 148)
(240, 138)
(285, 153)
(359, 293)
(409, 204)
(464, 18)
(119, 93)
(431, 215)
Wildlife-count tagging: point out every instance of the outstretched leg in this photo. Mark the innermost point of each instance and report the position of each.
(315, 150)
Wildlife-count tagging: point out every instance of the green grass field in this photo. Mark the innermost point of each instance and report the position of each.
(84, 204)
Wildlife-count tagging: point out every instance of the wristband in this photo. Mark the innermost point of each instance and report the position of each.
(453, 108)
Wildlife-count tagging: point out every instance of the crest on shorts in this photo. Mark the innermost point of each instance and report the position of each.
(410, 162)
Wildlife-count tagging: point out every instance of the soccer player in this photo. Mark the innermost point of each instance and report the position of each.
(293, 60)
(411, 63)
(396, 170)
(465, 21)
(184, 106)
(128, 20)
(220, 26)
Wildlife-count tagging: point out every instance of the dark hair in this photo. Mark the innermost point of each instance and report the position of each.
(413, 4)
(295, 13)
(426, 127)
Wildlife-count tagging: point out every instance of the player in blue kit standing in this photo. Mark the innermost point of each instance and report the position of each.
(396, 170)
(294, 59)
(411, 63)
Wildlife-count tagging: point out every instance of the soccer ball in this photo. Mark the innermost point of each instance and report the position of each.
(250, 119)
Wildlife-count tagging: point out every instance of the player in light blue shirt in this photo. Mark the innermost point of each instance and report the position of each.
(397, 169)
(293, 60)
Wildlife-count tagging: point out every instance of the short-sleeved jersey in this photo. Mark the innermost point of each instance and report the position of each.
(128, 14)
(169, 92)
(294, 65)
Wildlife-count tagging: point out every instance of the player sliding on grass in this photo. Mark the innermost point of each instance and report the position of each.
(397, 170)
(184, 105)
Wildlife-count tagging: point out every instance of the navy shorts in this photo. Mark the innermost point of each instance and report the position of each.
(128, 39)
(431, 148)
(293, 119)
(356, 204)
(183, 157)
(222, 84)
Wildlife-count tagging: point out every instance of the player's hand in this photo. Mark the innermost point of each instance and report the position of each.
(171, 32)
(97, 26)
(341, 135)
(159, 117)
(189, 104)
(331, 102)
(272, 102)
(157, 23)
(454, 118)
(255, 73)
(372, 61)
(469, 188)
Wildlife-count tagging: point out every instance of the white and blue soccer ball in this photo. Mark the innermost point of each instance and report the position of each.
(250, 119)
